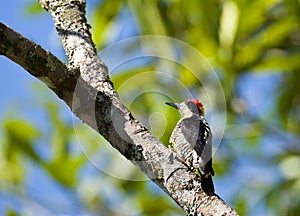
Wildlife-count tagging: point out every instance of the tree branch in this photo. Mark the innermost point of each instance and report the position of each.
(91, 96)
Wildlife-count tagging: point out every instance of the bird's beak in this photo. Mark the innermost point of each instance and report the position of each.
(175, 105)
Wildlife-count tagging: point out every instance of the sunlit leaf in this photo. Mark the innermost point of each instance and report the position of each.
(251, 51)
(155, 206)
(35, 8)
(126, 78)
(290, 167)
(279, 62)
(103, 17)
(21, 136)
(65, 170)
(241, 206)
(11, 212)
(145, 17)
(253, 14)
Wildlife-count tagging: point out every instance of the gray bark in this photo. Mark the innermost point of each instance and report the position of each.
(86, 87)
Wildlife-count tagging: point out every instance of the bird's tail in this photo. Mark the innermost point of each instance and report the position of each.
(207, 184)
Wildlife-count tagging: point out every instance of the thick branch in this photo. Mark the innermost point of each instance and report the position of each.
(92, 98)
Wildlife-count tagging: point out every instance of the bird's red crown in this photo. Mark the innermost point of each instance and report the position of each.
(198, 103)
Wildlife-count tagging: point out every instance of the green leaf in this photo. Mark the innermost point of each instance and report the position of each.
(34, 8)
(21, 136)
(290, 167)
(65, 170)
(128, 76)
(150, 20)
(253, 15)
(250, 51)
(241, 205)
(103, 17)
(156, 205)
(64, 165)
(279, 62)
(11, 212)
(12, 171)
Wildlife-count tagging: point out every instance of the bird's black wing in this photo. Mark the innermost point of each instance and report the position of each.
(197, 132)
(190, 130)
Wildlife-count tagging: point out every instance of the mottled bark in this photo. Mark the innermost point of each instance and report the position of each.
(86, 87)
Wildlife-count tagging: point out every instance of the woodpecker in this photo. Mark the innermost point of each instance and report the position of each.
(192, 140)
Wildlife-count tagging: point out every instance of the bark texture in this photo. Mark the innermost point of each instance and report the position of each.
(86, 87)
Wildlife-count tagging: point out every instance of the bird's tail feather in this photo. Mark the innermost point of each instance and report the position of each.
(207, 184)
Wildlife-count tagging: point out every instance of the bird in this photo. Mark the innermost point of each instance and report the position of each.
(191, 140)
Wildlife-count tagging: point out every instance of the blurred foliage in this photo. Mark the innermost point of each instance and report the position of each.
(34, 8)
(253, 45)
